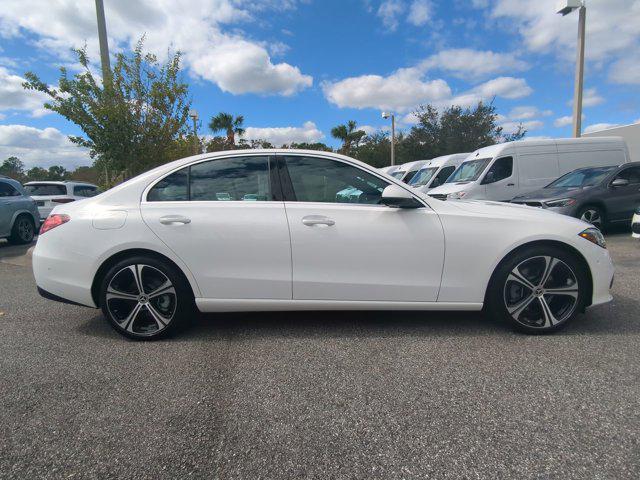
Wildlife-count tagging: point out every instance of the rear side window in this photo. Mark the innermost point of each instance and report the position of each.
(7, 190)
(502, 168)
(84, 191)
(631, 174)
(323, 180)
(442, 176)
(231, 179)
(45, 189)
(172, 188)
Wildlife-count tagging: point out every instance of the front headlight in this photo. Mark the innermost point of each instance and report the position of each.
(565, 202)
(456, 195)
(594, 236)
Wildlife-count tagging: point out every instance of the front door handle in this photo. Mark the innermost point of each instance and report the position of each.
(511, 184)
(171, 219)
(311, 220)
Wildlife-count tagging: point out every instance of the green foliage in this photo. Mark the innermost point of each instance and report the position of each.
(37, 173)
(231, 126)
(13, 167)
(132, 121)
(348, 135)
(310, 146)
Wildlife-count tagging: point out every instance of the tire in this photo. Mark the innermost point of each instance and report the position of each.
(23, 230)
(593, 215)
(520, 289)
(164, 307)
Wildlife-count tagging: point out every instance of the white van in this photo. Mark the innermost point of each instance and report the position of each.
(501, 172)
(436, 171)
(391, 170)
(406, 171)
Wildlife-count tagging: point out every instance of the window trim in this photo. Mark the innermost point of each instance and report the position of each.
(276, 193)
(287, 185)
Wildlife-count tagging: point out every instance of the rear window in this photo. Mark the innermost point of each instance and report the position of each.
(85, 191)
(45, 189)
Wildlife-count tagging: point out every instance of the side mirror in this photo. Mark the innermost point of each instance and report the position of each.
(398, 197)
(620, 182)
(489, 178)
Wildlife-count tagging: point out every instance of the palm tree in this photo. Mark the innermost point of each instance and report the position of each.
(348, 134)
(231, 126)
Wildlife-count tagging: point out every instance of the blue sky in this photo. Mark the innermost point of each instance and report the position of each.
(296, 68)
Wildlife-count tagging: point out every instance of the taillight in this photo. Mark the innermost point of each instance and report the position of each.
(54, 221)
(62, 200)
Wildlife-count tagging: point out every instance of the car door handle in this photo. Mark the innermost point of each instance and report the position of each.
(311, 220)
(171, 219)
(511, 184)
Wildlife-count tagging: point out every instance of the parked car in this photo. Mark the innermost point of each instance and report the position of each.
(635, 223)
(18, 213)
(436, 171)
(151, 249)
(598, 195)
(504, 171)
(49, 194)
(406, 171)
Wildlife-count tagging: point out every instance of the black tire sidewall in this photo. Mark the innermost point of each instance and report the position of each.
(184, 296)
(495, 295)
(15, 234)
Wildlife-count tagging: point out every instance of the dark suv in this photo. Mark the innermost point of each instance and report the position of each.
(18, 212)
(598, 195)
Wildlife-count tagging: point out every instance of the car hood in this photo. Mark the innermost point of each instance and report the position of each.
(450, 187)
(552, 193)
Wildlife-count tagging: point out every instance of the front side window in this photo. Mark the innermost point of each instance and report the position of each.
(7, 190)
(631, 174)
(329, 181)
(231, 179)
(469, 171)
(442, 176)
(502, 168)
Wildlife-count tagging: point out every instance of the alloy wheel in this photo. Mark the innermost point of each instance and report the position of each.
(141, 299)
(25, 230)
(592, 216)
(541, 292)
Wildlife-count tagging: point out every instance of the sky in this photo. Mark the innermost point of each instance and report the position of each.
(297, 68)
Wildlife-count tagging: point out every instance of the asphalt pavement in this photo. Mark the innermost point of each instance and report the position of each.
(371, 395)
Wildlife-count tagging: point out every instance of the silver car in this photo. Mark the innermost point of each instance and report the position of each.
(18, 213)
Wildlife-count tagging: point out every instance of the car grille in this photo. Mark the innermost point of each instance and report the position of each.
(438, 196)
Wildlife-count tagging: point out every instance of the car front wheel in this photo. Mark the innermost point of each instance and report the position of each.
(539, 289)
(144, 298)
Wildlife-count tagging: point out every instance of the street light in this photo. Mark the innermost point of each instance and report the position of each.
(565, 7)
(386, 115)
(194, 116)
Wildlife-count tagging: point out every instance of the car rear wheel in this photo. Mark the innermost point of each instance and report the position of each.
(23, 230)
(593, 215)
(144, 298)
(539, 289)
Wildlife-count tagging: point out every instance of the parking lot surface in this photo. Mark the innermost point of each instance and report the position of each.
(319, 395)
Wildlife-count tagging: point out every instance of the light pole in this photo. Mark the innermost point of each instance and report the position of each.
(565, 7)
(386, 115)
(104, 43)
(194, 116)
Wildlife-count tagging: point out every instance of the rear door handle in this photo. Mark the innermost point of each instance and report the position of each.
(311, 220)
(171, 219)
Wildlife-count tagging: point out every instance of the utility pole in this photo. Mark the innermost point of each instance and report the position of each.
(577, 93)
(194, 116)
(104, 43)
(386, 115)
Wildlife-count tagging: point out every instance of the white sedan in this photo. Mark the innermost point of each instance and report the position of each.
(266, 230)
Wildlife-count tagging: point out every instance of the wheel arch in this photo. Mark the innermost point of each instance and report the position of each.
(121, 255)
(19, 213)
(536, 243)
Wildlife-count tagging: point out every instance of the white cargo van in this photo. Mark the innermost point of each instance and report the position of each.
(390, 170)
(436, 171)
(406, 171)
(501, 172)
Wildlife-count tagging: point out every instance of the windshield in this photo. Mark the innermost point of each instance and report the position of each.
(45, 189)
(398, 174)
(469, 171)
(581, 178)
(423, 176)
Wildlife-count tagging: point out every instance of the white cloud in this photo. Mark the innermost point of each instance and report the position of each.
(284, 135)
(195, 27)
(563, 121)
(390, 12)
(41, 147)
(467, 62)
(599, 126)
(626, 70)
(526, 112)
(510, 127)
(507, 87)
(590, 98)
(401, 91)
(14, 97)
(420, 12)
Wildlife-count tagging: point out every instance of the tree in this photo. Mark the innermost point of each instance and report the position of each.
(13, 167)
(85, 174)
(454, 130)
(310, 146)
(231, 125)
(348, 135)
(57, 172)
(37, 173)
(130, 122)
(254, 143)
